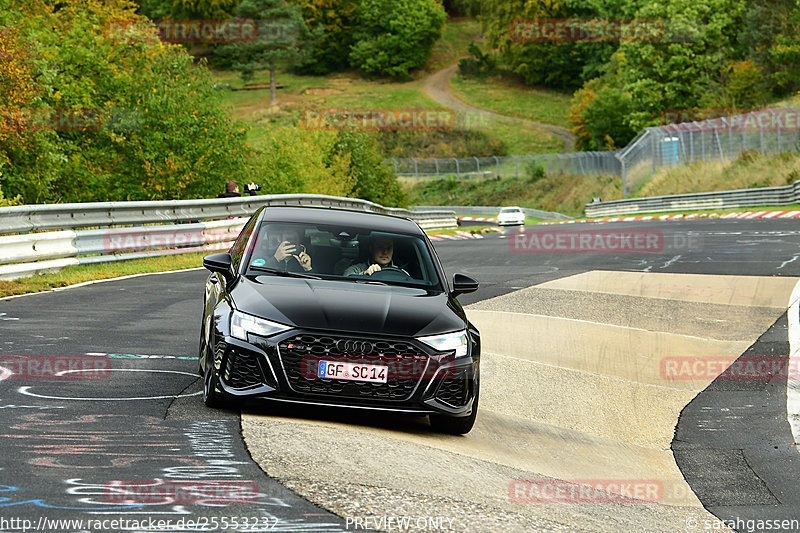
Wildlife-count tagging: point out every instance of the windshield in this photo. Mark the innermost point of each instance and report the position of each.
(510, 210)
(357, 255)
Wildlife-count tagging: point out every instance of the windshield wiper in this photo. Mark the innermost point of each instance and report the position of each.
(284, 273)
(368, 281)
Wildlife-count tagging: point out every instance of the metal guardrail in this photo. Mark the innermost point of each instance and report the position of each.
(47, 237)
(25, 218)
(789, 194)
(488, 210)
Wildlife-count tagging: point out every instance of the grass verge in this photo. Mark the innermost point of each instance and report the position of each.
(562, 194)
(513, 99)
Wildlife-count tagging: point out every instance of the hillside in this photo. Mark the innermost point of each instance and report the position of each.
(568, 194)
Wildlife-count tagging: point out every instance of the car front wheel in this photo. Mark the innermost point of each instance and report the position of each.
(211, 396)
(456, 425)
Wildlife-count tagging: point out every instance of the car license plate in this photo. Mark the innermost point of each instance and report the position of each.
(351, 371)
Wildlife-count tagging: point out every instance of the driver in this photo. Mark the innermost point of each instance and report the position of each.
(380, 252)
(288, 255)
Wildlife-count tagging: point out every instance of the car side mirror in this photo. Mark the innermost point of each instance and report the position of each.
(220, 263)
(463, 284)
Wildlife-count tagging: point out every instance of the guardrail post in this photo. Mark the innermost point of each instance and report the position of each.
(458, 169)
(436, 162)
(416, 167)
(497, 166)
(478, 165)
(395, 166)
(744, 137)
(761, 128)
(653, 152)
(796, 132)
(703, 143)
(624, 180)
(516, 166)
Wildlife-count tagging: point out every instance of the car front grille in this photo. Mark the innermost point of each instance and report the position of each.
(454, 388)
(300, 356)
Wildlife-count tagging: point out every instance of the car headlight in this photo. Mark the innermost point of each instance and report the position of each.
(242, 324)
(448, 341)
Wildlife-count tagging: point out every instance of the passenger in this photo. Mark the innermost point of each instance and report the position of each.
(288, 255)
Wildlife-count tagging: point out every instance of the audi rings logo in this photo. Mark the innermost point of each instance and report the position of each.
(354, 347)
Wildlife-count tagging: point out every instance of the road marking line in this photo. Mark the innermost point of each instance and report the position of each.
(788, 261)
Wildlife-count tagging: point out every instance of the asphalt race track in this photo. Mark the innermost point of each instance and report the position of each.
(583, 382)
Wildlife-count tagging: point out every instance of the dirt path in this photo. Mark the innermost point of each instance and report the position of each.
(437, 87)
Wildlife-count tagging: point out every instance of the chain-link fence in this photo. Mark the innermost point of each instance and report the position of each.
(721, 138)
(501, 166)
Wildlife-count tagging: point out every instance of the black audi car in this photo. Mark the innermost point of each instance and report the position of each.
(339, 308)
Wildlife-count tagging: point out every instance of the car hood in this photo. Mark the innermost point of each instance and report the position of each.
(348, 306)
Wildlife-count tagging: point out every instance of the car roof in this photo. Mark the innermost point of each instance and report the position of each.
(510, 208)
(343, 217)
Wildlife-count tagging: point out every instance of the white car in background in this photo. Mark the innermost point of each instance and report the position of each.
(511, 216)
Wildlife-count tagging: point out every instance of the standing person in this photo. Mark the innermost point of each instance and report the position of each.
(232, 189)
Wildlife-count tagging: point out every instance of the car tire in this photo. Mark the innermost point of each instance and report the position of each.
(211, 396)
(456, 425)
(200, 352)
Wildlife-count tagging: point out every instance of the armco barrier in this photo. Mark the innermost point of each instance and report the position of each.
(122, 232)
(789, 194)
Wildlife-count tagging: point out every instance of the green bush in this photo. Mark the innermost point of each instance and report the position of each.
(394, 37)
(373, 181)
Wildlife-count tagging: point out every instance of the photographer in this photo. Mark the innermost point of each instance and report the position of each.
(232, 189)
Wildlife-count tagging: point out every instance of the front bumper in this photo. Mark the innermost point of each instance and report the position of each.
(420, 380)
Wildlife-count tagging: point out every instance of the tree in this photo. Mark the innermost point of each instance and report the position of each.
(394, 37)
(282, 34)
(564, 63)
(157, 130)
(672, 74)
(373, 181)
(337, 20)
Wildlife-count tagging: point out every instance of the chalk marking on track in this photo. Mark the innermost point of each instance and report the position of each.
(27, 392)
